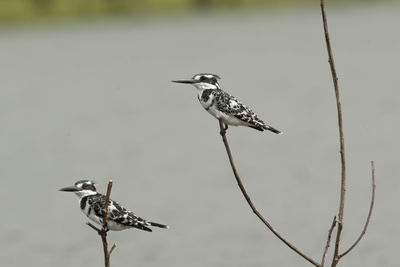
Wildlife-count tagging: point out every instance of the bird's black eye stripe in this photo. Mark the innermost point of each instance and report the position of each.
(89, 187)
(211, 80)
(85, 186)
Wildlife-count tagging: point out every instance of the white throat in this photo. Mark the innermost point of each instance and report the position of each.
(204, 86)
(85, 193)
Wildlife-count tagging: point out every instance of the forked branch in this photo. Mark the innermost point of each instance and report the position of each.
(254, 209)
(337, 256)
(103, 231)
(341, 136)
(339, 221)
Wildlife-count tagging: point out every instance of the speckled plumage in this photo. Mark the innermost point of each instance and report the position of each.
(222, 105)
(118, 218)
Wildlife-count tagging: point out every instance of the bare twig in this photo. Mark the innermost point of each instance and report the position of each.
(103, 231)
(371, 206)
(336, 255)
(103, 235)
(328, 241)
(105, 209)
(339, 222)
(93, 227)
(112, 249)
(340, 121)
(257, 213)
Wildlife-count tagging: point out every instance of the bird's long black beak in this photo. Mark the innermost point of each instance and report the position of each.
(191, 81)
(69, 189)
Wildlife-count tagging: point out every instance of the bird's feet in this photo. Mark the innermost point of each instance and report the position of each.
(103, 231)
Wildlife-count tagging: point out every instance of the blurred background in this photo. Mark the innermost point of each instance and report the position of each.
(86, 94)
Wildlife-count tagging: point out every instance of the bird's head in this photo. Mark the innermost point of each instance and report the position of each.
(81, 188)
(202, 81)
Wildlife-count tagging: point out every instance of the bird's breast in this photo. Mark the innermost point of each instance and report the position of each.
(206, 98)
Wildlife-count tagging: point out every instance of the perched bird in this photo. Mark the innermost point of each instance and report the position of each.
(118, 218)
(224, 106)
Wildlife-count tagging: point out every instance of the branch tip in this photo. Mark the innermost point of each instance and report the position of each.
(328, 241)
(371, 206)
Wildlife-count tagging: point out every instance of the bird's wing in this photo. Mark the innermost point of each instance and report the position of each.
(97, 204)
(118, 213)
(230, 105)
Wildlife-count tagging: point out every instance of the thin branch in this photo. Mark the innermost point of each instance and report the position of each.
(340, 122)
(103, 231)
(105, 248)
(328, 241)
(105, 208)
(93, 227)
(371, 206)
(112, 249)
(247, 197)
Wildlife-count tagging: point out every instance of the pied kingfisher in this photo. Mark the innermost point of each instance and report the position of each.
(118, 218)
(224, 106)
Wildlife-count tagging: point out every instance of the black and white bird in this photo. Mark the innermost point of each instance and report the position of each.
(222, 105)
(118, 218)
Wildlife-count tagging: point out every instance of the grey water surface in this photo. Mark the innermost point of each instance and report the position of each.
(95, 101)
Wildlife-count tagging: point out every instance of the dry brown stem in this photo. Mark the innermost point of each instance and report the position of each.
(103, 231)
(371, 206)
(247, 197)
(341, 136)
(337, 256)
(339, 222)
(328, 241)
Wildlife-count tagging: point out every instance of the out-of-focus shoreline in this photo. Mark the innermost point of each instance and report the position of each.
(42, 11)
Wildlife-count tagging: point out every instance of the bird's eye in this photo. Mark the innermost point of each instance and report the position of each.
(86, 186)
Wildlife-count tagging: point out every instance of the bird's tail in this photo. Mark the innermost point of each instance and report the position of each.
(272, 129)
(158, 225)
